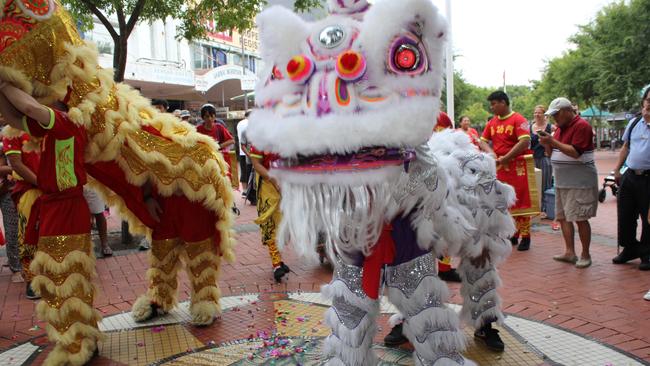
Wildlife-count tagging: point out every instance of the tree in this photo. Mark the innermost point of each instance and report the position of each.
(607, 66)
(227, 15)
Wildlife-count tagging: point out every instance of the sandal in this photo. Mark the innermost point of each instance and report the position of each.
(565, 259)
(555, 226)
(107, 251)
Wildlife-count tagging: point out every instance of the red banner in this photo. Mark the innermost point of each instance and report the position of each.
(520, 174)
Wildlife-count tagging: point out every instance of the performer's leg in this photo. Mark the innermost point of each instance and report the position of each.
(481, 302)
(64, 266)
(163, 280)
(269, 217)
(432, 327)
(523, 231)
(10, 223)
(352, 318)
(446, 272)
(26, 252)
(203, 264)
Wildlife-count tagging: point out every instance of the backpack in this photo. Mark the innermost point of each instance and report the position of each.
(629, 136)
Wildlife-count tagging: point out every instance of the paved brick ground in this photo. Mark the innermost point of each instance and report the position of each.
(603, 302)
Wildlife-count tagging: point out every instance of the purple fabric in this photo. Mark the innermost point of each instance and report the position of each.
(406, 246)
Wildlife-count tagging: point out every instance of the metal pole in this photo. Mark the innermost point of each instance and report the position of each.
(243, 65)
(450, 69)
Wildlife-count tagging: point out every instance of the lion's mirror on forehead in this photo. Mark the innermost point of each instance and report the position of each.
(331, 36)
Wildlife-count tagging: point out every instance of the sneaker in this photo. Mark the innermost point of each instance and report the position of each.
(625, 256)
(514, 240)
(647, 296)
(490, 337)
(395, 337)
(645, 264)
(279, 272)
(30, 294)
(154, 312)
(144, 245)
(17, 277)
(450, 276)
(524, 245)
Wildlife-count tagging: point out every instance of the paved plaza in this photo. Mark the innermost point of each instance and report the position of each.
(557, 314)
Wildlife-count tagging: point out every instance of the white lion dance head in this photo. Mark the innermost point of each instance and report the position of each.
(345, 102)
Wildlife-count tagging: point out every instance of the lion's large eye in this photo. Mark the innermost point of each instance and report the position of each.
(407, 56)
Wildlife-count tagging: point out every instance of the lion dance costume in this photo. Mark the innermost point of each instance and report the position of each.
(128, 145)
(347, 106)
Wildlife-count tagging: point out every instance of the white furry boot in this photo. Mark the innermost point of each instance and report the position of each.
(352, 318)
(432, 327)
(481, 302)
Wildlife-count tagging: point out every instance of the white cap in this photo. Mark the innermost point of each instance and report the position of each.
(557, 104)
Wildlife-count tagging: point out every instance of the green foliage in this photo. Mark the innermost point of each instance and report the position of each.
(608, 67)
(477, 114)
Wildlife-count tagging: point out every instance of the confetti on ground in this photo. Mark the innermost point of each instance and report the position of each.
(158, 329)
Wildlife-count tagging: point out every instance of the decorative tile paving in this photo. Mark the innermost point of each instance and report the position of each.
(181, 314)
(18, 355)
(278, 329)
(316, 298)
(143, 346)
(566, 348)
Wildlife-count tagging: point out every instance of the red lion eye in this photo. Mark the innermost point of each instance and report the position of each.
(406, 58)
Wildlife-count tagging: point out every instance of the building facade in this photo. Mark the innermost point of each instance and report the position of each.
(220, 69)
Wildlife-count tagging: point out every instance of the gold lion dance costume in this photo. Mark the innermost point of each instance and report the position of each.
(347, 105)
(128, 146)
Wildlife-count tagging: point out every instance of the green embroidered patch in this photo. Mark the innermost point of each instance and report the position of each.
(65, 177)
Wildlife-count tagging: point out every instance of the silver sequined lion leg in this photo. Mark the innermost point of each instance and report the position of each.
(352, 319)
(431, 326)
(481, 302)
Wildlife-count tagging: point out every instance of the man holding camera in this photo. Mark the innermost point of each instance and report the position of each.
(576, 177)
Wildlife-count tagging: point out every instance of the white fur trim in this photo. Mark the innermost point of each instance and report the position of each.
(406, 123)
(395, 319)
(281, 33)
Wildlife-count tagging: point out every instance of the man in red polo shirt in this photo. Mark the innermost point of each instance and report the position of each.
(60, 225)
(576, 178)
(510, 136)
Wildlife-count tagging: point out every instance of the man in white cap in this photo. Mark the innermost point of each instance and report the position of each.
(576, 177)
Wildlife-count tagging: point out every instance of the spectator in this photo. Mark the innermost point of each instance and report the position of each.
(177, 113)
(465, 126)
(217, 131)
(245, 165)
(160, 104)
(185, 115)
(510, 136)
(576, 178)
(634, 189)
(9, 219)
(542, 161)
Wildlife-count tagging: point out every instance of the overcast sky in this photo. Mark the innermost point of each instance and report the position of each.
(513, 35)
